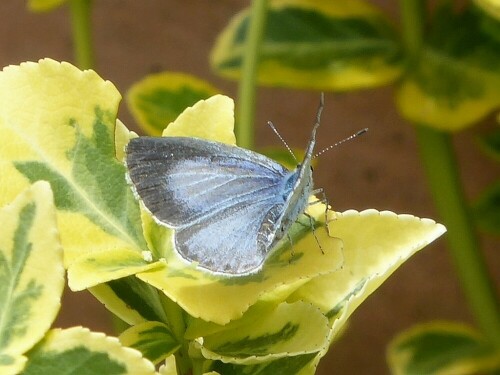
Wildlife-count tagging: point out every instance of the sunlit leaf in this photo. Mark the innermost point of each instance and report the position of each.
(57, 124)
(77, 351)
(31, 274)
(211, 119)
(375, 245)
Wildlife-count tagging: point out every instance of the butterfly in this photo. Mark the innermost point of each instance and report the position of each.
(228, 206)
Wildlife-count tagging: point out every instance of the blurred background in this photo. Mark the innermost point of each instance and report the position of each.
(380, 170)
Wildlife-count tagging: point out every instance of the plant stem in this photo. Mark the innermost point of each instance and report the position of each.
(177, 325)
(413, 18)
(441, 169)
(247, 88)
(82, 37)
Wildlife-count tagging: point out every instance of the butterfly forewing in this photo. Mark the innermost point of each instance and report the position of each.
(182, 180)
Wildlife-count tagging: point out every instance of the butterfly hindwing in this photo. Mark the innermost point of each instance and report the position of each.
(230, 242)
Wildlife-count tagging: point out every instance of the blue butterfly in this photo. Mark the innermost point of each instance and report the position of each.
(228, 206)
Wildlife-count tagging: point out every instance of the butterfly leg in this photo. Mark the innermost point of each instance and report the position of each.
(312, 224)
(322, 199)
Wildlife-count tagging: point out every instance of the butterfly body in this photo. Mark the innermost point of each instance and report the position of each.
(228, 206)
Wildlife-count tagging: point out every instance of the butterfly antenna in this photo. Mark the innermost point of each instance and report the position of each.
(358, 133)
(320, 109)
(271, 125)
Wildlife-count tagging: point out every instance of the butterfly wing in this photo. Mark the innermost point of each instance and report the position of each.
(234, 241)
(222, 200)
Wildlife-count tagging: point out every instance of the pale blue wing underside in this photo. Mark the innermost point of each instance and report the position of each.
(230, 242)
(223, 201)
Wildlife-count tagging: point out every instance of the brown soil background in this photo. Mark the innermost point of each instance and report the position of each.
(380, 170)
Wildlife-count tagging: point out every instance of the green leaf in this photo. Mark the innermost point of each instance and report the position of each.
(44, 5)
(487, 209)
(334, 45)
(297, 365)
(442, 348)
(81, 352)
(57, 124)
(288, 330)
(132, 300)
(153, 339)
(158, 99)
(456, 80)
(31, 274)
(369, 259)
